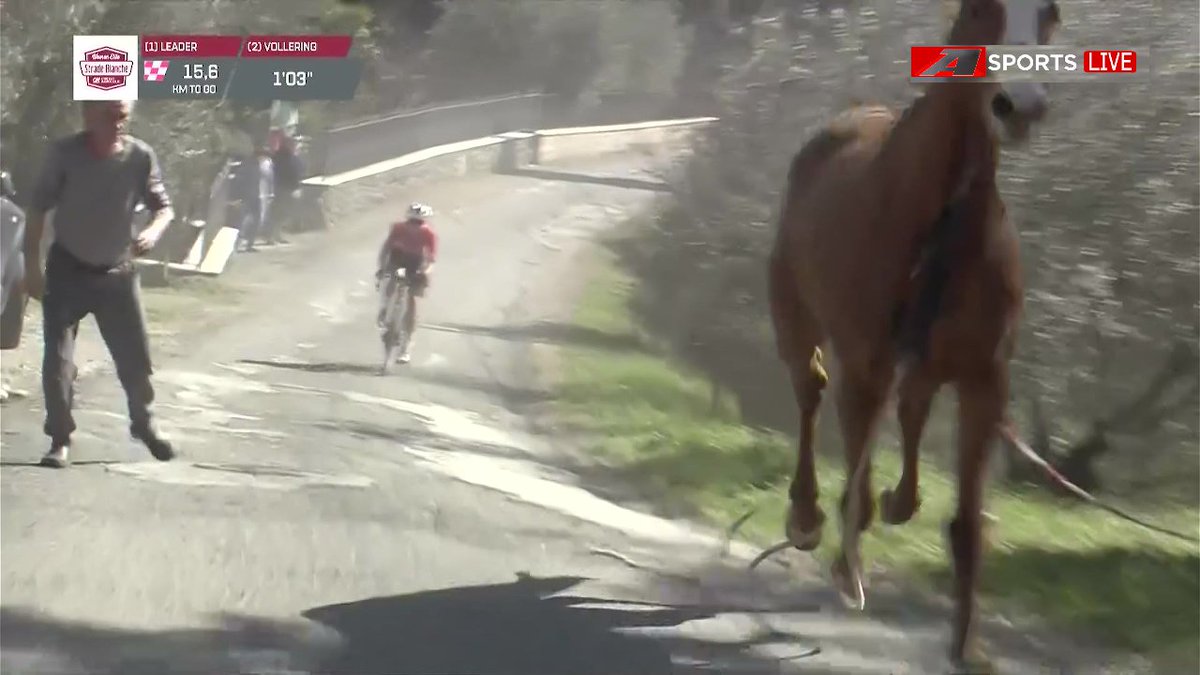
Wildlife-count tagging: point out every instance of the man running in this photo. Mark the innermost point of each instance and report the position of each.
(93, 180)
(411, 244)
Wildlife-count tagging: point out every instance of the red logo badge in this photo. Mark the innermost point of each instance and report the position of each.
(945, 61)
(105, 68)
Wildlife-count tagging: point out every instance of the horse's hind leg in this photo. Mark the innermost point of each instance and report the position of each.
(805, 517)
(981, 402)
(797, 336)
(915, 396)
(860, 404)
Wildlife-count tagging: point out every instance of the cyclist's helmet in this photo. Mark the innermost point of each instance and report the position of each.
(418, 211)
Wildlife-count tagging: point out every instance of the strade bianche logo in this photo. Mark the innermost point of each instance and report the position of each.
(104, 67)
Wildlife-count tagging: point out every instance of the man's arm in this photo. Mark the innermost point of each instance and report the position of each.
(46, 194)
(431, 244)
(154, 196)
(35, 226)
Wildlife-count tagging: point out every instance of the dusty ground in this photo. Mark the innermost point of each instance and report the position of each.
(324, 519)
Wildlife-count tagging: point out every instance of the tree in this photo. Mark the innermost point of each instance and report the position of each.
(563, 47)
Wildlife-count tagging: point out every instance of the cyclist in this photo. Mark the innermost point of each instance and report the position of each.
(412, 245)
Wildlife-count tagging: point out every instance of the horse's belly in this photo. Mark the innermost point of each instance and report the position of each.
(980, 319)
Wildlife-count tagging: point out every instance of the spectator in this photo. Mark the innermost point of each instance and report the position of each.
(232, 213)
(256, 187)
(288, 173)
(92, 180)
(247, 200)
(218, 197)
(266, 184)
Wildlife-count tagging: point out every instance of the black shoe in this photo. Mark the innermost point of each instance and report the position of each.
(58, 457)
(159, 447)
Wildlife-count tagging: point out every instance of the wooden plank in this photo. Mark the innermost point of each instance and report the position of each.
(221, 250)
(196, 254)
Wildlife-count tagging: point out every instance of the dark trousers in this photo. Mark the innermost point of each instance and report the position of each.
(249, 222)
(279, 215)
(74, 290)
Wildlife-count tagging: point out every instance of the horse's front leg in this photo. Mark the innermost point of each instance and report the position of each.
(915, 396)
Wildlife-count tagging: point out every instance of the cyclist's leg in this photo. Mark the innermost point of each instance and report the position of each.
(412, 272)
(385, 287)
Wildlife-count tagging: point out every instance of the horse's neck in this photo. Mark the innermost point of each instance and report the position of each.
(941, 142)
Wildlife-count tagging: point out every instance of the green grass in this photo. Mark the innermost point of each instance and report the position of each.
(652, 418)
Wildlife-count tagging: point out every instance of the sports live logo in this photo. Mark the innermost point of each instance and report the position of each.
(951, 62)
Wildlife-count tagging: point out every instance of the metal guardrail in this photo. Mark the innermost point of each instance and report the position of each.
(352, 146)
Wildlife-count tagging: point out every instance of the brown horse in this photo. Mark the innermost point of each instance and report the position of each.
(893, 248)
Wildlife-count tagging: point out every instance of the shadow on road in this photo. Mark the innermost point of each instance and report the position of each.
(318, 367)
(512, 628)
(447, 378)
(499, 629)
(36, 462)
(549, 332)
(421, 438)
(595, 179)
(511, 394)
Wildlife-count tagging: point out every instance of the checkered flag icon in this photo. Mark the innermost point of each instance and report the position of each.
(154, 71)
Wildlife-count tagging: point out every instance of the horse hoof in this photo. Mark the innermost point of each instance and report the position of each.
(849, 584)
(976, 664)
(892, 511)
(802, 539)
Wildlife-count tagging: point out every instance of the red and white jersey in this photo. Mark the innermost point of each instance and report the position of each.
(420, 240)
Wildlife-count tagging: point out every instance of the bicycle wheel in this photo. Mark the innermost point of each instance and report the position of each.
(393, 331)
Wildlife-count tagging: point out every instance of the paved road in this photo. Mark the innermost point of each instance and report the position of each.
(328, 520)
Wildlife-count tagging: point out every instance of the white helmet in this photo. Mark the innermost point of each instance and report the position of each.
(418, 211)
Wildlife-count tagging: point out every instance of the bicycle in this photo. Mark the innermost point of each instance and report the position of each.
(393, 318)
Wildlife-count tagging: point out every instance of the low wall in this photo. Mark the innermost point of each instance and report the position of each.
(552, 146)
(344, 194)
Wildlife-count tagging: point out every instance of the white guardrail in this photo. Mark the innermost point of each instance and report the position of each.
(426, 154)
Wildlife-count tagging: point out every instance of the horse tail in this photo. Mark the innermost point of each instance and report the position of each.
(814, 155)
(803, 168)
(782, 290)
(782, 298)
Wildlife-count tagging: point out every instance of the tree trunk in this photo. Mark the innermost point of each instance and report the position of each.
(1142, 414)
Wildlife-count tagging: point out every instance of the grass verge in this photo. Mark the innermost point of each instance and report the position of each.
(653, 419)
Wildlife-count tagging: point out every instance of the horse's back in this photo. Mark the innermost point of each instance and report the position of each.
(856, 131)
(826, 224)
(829, 182)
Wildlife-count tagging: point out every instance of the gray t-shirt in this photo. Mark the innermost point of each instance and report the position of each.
(95, 197)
